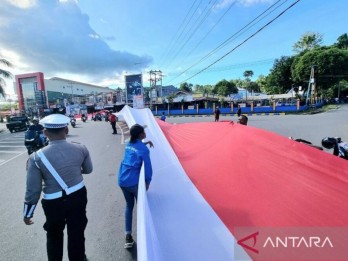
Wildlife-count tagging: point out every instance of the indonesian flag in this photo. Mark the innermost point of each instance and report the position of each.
(212, 179)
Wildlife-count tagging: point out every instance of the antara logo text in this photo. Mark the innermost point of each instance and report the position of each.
(297, 242)
(285, 242)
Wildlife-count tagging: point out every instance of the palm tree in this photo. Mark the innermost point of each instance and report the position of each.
(4, 74)
(247, 74)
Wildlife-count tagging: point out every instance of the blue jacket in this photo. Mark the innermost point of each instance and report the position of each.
(135, 154)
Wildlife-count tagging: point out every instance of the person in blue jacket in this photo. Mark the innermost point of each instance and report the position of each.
(136, 153)
(163, 117)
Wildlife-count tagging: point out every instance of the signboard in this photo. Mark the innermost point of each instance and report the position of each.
(134, 86)
(138, 102)
(109, 98)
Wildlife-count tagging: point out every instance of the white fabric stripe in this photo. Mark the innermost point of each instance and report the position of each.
(25, 210)
(31, 210)
(59, 194)
(196, 232)
(53, 171)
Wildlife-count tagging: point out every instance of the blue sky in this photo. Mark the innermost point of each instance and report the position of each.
(101, 41)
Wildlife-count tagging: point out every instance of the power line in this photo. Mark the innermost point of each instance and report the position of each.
(172, 42)
(235, 35)
(259, 30)
(239, 65)
(211, 29)
(204, 15)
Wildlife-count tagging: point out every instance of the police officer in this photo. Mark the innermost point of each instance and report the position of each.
(57, 171)
(38, 128)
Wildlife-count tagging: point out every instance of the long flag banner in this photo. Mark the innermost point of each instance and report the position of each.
(224, 191)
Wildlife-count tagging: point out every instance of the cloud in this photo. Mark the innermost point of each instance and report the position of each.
(54, 37)
(24, 4)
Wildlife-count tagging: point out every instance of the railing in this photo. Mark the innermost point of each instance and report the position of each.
(245, 110)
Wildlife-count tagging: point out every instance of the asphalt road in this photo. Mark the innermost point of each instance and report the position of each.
(312, 127)
(105, 229)
(104, 233)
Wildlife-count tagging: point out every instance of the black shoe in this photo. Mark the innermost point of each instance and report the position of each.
(129, 241)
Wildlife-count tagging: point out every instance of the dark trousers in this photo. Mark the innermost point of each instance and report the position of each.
(113, 125)
(69, 210)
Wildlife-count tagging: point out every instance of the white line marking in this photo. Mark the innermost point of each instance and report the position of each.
(11, 152)
(12, 146)
(12, 158)
(122, 134)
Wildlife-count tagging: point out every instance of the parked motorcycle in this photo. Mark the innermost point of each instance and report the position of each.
(34, 140)
(340, 148)
(84, 118)
(306, 142)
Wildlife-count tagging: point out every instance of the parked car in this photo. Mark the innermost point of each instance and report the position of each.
(17, 123)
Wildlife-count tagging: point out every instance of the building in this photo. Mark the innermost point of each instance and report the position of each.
(36, 94)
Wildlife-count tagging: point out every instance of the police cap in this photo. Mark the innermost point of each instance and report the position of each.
(55, 121)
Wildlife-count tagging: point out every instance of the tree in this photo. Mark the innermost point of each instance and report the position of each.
(248, 74)
(4, 74)
(261, 81)
(280, 78)
(207, 89)
(186, 87)
(171, 98)
(308, 41)
(225, 88)
(198, 88)
(342, 42)
(331, 66)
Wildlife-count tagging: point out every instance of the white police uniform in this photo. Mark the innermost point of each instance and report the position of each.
(64, 197)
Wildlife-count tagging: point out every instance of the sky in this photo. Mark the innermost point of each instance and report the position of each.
(194, 41)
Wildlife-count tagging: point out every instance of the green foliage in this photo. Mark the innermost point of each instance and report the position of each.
(207, 89)
(4, 74)
(261, 82)
(186, 87)
(308, 41)
(248, 74)
(238, 82)
(171, 98)
(331, 66)
(225, 88)
(280, 78)
(342, 42)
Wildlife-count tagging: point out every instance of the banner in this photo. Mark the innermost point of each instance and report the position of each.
(109, 98)
(134, 86)
(138, 102)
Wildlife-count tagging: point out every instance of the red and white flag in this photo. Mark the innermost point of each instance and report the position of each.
(225, 191)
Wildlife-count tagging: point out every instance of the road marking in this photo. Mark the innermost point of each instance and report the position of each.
(12, 158)
(12, 146)
(4, 141)
(10, 152)
(122, 134)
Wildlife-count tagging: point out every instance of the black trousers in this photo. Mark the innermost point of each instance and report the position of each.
(113, 125)
(69, 210)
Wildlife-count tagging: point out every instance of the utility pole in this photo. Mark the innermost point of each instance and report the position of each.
(311, 91)
(155, 76)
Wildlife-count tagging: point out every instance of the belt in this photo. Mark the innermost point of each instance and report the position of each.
(59, 194)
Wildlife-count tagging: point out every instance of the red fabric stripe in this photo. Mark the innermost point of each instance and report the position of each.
(252, 177)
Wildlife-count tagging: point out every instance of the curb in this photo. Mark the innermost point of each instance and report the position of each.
(231, 114)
